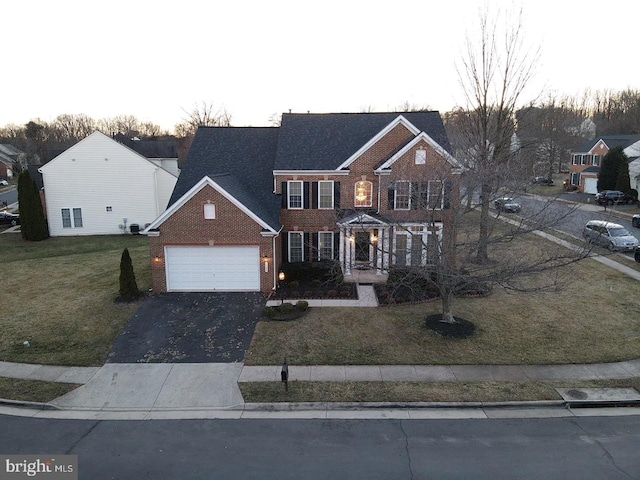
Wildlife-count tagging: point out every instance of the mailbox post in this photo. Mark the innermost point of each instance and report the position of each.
(284, 375)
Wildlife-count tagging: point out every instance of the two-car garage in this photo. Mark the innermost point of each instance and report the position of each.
(212, 268)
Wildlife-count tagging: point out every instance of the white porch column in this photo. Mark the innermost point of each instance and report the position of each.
(409, 244)
(341, 247)
(386, 251)
(347, 266)
(379, 253)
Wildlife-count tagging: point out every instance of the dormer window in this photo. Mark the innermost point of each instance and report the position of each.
(363, 193)
(421, 157)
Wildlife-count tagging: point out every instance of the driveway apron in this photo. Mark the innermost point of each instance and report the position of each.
(190, 328)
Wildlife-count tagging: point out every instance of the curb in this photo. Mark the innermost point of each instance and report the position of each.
(26, 404)
(304, 406)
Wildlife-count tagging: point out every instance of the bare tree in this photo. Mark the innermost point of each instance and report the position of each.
(493, 72)
(203, 115)
(68, 128)
(524, 259)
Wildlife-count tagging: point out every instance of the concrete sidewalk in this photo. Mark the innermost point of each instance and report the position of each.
(210, 390)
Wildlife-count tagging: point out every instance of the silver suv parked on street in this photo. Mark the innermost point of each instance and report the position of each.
(609, 235)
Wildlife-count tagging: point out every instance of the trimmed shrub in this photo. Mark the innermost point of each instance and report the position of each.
(302, 305)
(269, 312)
(128, 286)
(286, 308)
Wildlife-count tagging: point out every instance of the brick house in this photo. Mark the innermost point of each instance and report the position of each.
(587, 159)
(369, 190)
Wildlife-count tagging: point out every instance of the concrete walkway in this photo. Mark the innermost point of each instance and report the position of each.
(366, 298)
(211, 390)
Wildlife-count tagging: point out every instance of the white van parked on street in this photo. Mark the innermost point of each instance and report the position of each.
(609, 235)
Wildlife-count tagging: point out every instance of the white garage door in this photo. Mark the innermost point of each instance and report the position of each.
(206, 269)
(590, 185)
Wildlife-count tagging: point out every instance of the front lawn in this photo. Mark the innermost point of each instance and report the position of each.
(594, 319)
(59, 294)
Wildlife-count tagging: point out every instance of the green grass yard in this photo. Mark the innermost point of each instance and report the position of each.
(59, 295)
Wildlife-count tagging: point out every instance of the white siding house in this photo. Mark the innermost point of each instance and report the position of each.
(101, 187)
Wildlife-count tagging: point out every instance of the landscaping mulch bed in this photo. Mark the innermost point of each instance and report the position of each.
(461, 329)
(310, 291)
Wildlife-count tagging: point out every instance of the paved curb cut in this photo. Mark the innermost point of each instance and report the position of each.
(26, 404)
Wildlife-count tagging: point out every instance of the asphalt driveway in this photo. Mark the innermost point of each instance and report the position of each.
(190, 328)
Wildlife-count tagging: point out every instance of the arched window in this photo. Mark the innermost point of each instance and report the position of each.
(363, 194)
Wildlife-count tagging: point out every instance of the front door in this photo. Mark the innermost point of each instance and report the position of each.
(362, 248)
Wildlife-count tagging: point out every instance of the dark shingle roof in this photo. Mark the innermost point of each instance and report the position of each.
(151, 148)
(611, 140)
(240, 159)
(325, 141)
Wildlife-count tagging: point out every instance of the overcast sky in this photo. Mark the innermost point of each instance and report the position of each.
(156, 58)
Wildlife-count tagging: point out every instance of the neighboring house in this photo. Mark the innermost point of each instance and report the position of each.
(587, 159)
(9, 156)
(355, 188)
(101, 187)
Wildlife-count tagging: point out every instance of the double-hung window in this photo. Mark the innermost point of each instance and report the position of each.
(596, 160)
(325, 245)
(71, 218)
(325, 194)
(296, 250)
(402, 196)
(435, 194)
(294, 189)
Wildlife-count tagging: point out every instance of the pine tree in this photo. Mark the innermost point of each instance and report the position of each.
(623, 182)
(33, 224)
(128, 286)
(611, 163)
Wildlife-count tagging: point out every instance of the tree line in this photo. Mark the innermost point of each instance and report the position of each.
(41, 140)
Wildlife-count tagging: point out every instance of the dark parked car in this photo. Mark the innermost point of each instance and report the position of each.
(611, 197)
(7, 218)
(635, 221)
(542, 181)
(637, 254)
(507, 204)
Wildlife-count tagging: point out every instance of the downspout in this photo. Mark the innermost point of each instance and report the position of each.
(379, 181)
(275, 274)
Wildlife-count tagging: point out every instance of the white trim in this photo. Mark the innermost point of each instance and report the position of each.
(399, 120)
(395, 195)
(289, 207)
(421, 137)
(363, 219)
(301, 235)
(331, 257)
(195, 189)
(332, 194)
(309, 172)
(355, 192)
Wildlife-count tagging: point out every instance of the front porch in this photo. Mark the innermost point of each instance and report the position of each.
(365, 276)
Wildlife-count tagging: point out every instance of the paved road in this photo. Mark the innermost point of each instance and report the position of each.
(571, 218)
(585, 448)
(10, 196)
